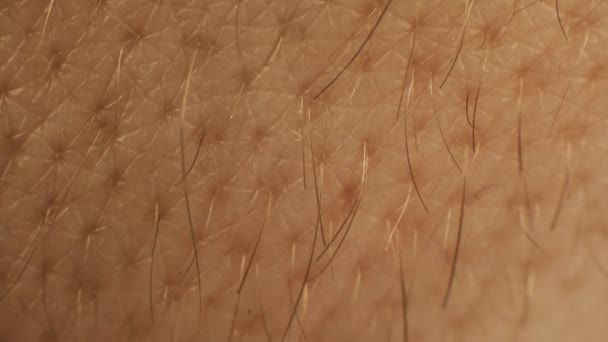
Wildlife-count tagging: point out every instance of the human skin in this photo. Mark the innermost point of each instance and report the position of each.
(303, 171)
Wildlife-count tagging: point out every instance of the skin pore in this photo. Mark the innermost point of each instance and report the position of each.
(242, 170)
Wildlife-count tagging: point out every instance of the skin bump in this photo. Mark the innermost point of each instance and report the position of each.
(424, 170)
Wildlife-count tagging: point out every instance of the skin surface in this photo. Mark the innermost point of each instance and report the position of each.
(219, 170)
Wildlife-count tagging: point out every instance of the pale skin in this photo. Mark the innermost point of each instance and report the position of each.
(238, 170)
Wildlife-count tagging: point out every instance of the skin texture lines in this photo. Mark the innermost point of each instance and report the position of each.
(241, 170)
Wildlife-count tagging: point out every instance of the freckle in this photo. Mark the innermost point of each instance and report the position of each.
(246, 77)
(523, 71)
(490, 34)
(59, 154)
(373, 146)
(28, 32)
(462, 137)
(87, 283)
(217, 189)
(115, 178)
(137, 33)
(100, 105)
(57, 60)
(259, 135)
(107, 123)
(597, 72)
(349, 192)
(240, 246)
(168, 110)
(213, 299)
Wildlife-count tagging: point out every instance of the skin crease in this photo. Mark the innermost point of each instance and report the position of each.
(167, 167)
